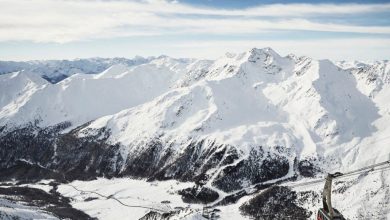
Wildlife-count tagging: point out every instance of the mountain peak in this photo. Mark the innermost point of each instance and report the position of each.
(264, 50)
(266, 55)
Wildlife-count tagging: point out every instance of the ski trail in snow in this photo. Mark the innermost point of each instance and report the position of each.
(250, 189)
(221, 193)
(158, 209)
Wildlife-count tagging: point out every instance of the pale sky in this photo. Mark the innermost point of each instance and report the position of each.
(68, 29)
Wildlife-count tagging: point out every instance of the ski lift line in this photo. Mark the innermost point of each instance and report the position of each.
(341, 175)
(322, 180)
(371, 171)
(120, 202)
(330, 213)
(359, 173)
(364, 168)
(366, 171)
(348, 174)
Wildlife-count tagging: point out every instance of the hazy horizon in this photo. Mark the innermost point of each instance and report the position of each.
(69, 29)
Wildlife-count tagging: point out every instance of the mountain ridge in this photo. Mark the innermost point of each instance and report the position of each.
(244, 120)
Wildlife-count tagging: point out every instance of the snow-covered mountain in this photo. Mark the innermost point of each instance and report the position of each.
(83, 97)
(243, 121)
(57, 70)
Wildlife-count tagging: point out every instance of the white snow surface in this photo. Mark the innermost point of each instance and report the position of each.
(364, 197)
(339, 111)
(26, 97)
(56, 70)
(10, 210)
(258, 98)
(148, 195)
(318, 108)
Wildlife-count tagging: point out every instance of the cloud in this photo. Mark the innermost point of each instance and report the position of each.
(272, 10)
(64, 21)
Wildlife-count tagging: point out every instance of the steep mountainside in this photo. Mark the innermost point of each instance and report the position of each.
(233, 126)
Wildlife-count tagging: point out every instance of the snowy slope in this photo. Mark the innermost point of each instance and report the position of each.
(57, 70)
(314, 108)
(18, 87)
(229, 124)
(130, 192)
(259, 98)
(81, 97)
(10, 210)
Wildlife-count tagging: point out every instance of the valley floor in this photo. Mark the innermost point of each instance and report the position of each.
(125, 198)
